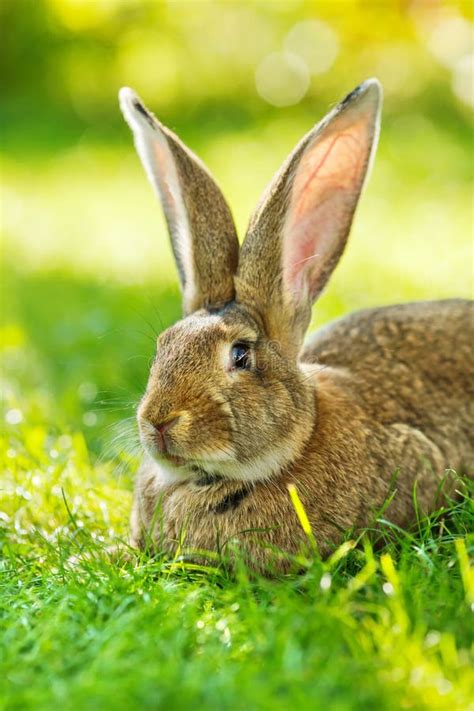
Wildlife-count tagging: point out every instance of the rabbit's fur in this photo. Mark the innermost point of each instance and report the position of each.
(376, 405)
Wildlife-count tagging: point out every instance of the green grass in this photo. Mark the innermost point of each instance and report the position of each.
(383, 630)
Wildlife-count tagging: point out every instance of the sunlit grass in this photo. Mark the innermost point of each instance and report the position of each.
(366, 629)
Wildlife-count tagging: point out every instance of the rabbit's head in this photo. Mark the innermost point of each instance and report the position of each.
(226, 395)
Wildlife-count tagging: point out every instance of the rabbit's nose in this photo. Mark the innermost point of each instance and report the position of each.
(160, 433)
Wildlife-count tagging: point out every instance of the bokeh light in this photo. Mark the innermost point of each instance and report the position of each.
(463, 79)
(240, 83)
(282, 78)
(450, 39)
(314, 41)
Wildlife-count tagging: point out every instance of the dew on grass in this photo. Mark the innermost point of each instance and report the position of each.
(226, 637)
(21, 491)
(105, 511)
(432, 638)
(64, 442)
(388, 588)
(444, 686)
(325, 582)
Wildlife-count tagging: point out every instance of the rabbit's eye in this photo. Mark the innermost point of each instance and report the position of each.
(240, 356)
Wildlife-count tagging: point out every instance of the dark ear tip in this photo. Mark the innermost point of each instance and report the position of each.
(142, 110)
(370, 87)
(130, 103)
(139, 106)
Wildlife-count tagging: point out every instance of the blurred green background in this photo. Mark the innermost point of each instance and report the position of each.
(88, 277)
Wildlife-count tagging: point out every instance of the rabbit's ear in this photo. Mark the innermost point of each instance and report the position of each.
(299, 230)
(202, 231)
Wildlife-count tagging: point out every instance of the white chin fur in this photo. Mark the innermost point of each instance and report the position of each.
(258, 469)
(167, 473)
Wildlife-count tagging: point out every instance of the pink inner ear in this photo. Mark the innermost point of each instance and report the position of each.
(310, 250)
(323, 197)
(163, 173)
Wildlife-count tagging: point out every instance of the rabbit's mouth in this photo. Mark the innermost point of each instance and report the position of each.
(194, 466)
(187, 468)
(177, 461)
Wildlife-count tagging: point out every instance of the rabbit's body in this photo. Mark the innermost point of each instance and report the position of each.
(410, 365)
(390, 388)
(371, 411)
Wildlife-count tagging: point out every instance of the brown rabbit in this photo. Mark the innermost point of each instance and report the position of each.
(237, 408)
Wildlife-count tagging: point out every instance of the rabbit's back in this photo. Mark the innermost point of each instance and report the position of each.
(412, 364)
